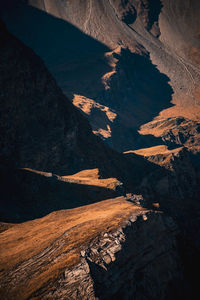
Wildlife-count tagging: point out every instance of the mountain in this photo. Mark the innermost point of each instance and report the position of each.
(81, 219)
(40, 128)
(43, 136)
(46, 142)
(161, 38)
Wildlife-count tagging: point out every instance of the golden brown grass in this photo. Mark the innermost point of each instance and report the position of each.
(87, 105)
(23, 241)
(46, 174)
(102, 113)
(30, 237)
(86, 177)
(160, 149)
(112, 61)
(5, 226)
(159, 155)
(188, 111)
(91, 177)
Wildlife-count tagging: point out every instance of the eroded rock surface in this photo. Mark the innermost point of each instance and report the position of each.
(139, 260)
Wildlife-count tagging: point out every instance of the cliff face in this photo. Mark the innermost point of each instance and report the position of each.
(138, 258)
(127, 263)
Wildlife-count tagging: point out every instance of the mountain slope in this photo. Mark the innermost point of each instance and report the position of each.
(43, 136)
(78, 253)
(164, 33)
(42, 131)
(40, 128)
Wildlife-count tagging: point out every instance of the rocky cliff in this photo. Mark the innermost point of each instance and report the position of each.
(118, 266)
(132, 254)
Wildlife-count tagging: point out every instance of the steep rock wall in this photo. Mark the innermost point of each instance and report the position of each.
(138, 260)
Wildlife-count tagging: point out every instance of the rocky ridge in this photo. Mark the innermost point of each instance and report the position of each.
(137, 259)
(120, 266)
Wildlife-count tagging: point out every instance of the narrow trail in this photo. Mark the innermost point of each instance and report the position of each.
(89, 16)
(175, 55)
(189, 91)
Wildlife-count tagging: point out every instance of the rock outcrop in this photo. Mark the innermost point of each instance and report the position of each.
(136, 259)
(118, 266)
(176, 131)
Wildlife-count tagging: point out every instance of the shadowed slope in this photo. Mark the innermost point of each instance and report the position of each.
(169, 31)
(125, 82)
(40, 128)
(144, 94)
(27, 195)
(73, 57)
